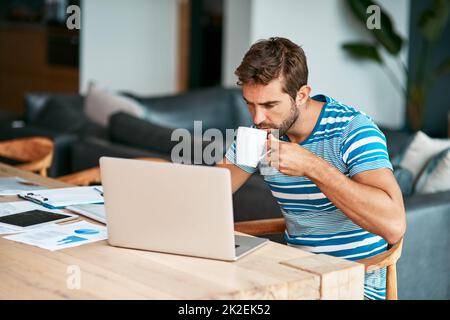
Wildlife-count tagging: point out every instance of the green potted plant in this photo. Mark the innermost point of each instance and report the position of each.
(431, 25)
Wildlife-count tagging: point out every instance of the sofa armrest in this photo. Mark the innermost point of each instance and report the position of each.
(422, 271)
(421, 202)
(34, 103)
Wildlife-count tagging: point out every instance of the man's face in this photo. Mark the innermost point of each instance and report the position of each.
(269, 106)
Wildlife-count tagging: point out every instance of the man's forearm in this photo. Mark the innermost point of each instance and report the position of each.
(369, 207)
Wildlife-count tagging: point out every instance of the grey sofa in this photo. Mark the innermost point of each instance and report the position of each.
(423, 270)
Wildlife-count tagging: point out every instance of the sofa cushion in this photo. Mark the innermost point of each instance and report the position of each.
(139, 133)
(421, 149)
(127, 129)
(101, 104)
(436, 175)
(404, 179)
(86, 153)
(216, 107)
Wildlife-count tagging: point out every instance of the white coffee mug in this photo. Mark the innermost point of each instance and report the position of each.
(250, 146)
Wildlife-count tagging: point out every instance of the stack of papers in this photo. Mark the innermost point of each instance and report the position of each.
(56, 237)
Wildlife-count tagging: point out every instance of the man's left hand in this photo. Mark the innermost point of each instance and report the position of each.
(289, 158)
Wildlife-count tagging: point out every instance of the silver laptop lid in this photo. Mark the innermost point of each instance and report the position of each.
(168, 207)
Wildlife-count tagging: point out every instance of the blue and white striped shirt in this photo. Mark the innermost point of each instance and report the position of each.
(350, 141)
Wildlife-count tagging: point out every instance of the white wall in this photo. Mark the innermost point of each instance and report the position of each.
(129, 45)
(236, 36)
(320, 27)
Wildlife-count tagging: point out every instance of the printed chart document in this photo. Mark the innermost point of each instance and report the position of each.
(7, 208)
(56, 237)
(10, 186)
(4, 229)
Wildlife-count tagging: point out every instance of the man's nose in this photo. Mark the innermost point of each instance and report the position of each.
(259, 117)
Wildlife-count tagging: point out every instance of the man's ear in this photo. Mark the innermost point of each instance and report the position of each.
(302, 95)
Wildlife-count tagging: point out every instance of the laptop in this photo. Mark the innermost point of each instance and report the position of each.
(172, 208)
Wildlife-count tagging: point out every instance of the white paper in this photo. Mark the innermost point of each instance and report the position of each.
(7, 208)
(6, 229)
(93, 211)
(56, 237)
(11, 186)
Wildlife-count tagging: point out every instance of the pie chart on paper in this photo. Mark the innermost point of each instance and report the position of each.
(86, 231)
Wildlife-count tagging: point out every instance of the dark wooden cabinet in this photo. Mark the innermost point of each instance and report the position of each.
(28, 62)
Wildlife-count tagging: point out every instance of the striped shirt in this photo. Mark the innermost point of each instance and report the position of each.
(350, 141)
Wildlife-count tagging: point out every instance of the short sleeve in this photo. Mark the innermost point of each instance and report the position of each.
(364, 146)
(231, 156)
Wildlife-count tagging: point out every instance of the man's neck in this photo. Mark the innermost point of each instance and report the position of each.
(306, 121)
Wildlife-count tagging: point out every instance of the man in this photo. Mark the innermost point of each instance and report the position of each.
(333, 179)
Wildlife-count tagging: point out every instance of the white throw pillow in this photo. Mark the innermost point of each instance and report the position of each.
(436, 175)
(420, 151)
(101, 104)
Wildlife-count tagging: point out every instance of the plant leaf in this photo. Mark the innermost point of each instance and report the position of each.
(386, 35)
(363, 51)
(432, 21)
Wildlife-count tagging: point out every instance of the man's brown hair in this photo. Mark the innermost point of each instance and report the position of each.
(268, 59)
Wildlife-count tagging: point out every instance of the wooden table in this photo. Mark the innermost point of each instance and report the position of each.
(275, 271)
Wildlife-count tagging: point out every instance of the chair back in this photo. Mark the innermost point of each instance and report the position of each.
(388, 260)
(35, 153)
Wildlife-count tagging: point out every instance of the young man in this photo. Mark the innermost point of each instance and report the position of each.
(332, 178)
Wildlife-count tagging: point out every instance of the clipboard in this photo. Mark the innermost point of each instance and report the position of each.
(63, 197)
